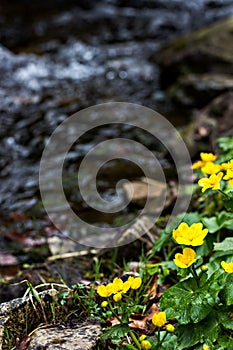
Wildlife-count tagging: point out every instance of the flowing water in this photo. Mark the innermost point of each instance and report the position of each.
(58, 57)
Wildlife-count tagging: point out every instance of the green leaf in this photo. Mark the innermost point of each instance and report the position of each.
(227, 292)
(225, 245)
(215, 261)
(226, 342)
(226, 320)
(211, 224)
(207, 246)
(163, 239)
(225, 143)
(187, 305)
(117, 331)
(228, 201)
(194, 333)
(170, 342)
(222, 220)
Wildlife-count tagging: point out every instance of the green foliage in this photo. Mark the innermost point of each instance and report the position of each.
(118, 331)
(199, 298)
(228, 200)
(221, 220)
(189, 304)
(194, 333)
(225, 245)
(226, 147)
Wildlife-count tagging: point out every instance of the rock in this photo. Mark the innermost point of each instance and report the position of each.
(198, 67)
(216, 119)
(25, 315)
(196, 89)
(139, 191)
(79, 336)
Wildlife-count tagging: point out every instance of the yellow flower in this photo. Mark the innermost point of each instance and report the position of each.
(186, 259)
(143, 337)
(207, 157)
(228, 165)
(205, 347)
(212, 182)
(118, 286)
(146, 345)
(229, 176)
(104, 303)
(210, 168)
(170, 328)
(159, 319)
(117, 297)
(193, 235)
(104, 291)
(228, 267)
(198, 165)
(135, 282)
(204, 268)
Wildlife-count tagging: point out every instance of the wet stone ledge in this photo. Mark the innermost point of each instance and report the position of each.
(42, 323)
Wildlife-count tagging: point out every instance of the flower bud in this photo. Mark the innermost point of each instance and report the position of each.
(170, 328)
(104, 303)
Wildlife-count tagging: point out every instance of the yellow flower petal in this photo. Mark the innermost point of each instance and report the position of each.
(104, 303)
(186, 259)
(193, 235)
(210, 168)
(208, 157)
(212, 182)
(198, 165)
(136, 283)
(228, 267)
(146, 345)
(117, 297)
(170, 328)
(159, 319)
(103, 291)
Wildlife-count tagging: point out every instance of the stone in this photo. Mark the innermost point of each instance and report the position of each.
(79, 336)
(216, 119)
(24, 316)
(139, 191)
(198, 67)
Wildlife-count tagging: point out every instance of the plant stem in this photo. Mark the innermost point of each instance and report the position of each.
(113, 312)
(195, 275)
(226, 195)
(162, 340)
(135, 339)
(158, 336)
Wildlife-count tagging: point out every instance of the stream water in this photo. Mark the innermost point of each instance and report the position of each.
(58, 57)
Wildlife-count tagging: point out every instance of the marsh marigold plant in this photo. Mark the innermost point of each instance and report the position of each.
(190, 235)
(159, 319)
(228, 267)
(212, 182)
(186, 259)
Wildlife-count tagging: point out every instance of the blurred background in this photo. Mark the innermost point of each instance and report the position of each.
(60, 56)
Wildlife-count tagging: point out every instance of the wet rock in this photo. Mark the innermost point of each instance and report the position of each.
(22, 317)
(79, 336)
(198, 67)
(197, 89)
(56, 60)
(146, 189)
(69, 268)
(215, 120)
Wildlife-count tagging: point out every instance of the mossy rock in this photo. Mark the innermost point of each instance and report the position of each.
(23, 316)
(198, 67)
